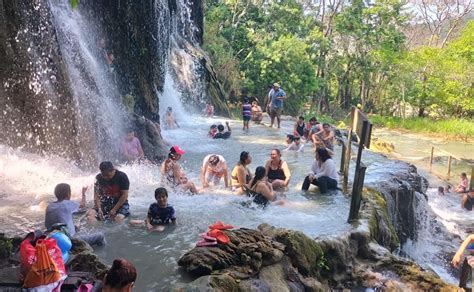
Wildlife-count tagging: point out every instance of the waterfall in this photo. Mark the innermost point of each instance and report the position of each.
(96, 98)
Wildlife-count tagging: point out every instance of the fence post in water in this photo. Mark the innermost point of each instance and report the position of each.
(347, 161)
(362, 126)
(465, 269)
(343, 157)
(471, 187)
(431, 157)
(357, 192)
(449, 165)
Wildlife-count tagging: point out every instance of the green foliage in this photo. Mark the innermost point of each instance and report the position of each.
(74, 4)
(355, 53)
(462, 128)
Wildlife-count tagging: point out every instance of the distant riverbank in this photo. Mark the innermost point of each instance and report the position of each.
(450, 129)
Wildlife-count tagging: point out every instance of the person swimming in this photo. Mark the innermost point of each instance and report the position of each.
(170, 119)
(240, 175)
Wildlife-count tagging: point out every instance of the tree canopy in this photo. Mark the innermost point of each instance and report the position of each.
(336, 53)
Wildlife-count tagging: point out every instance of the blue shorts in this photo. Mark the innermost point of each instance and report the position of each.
(107, 204)
(247, 118)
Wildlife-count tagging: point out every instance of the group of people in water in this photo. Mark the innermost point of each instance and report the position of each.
(467, 195)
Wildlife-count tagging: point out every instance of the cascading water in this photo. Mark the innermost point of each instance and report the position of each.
(97, 101)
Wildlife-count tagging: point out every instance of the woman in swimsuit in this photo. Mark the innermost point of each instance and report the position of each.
(171, 171)
(277, 170)
(241, 175)
(260, 188)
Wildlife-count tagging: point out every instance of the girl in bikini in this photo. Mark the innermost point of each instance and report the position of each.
(241, 175)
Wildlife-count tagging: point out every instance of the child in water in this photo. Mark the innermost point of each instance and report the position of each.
(159, 214)
(462, 187)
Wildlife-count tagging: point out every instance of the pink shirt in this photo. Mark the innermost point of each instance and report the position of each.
(132, 148)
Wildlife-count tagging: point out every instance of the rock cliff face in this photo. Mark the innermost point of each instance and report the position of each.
(72, 81)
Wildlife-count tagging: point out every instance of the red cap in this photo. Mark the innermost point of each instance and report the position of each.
(177, 150)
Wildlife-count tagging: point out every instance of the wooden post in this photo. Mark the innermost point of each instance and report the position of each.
(431, 157)
(357, 193)
(464, 274)
(347, 161)
(471, 184)
(343, 157)
(449, 165)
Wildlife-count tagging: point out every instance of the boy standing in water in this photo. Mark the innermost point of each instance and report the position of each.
(246, 113)
(159, 213)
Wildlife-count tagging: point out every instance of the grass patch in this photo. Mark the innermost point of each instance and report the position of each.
(460, 128)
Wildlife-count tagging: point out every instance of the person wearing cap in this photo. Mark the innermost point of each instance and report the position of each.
(275, 103)
(171, 172)
(214, 167)
(110, 194)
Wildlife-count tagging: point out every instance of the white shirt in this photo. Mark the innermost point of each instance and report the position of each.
(294, 147)
(327, 168)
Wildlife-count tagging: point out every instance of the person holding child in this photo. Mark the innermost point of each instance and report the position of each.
(159, 213)
(110, 194)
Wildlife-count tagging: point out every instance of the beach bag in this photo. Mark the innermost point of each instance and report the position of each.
(41, 264)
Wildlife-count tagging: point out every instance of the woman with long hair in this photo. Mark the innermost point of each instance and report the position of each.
(260, 188)
(323, 172)
(240, 175)
(277, 170)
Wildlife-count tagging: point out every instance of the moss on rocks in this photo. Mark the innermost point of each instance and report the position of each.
(305, 253)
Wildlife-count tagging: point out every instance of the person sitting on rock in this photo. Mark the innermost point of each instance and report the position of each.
(120, 277)
(323, 172)
(463, 184)
(110, 194)
(223, 134)
(277, 170)
(467, 201)
(214, 167)
(170, 119)
(131, 148)
(240, 176)
(171, 171)
(159, 214)
(62, 211)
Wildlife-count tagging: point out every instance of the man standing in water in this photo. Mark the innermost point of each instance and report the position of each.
(275, 103)
(110, 194)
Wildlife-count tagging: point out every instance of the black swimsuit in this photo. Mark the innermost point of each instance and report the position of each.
(258, 198)
(300, 129)
(469, 203)
(278, 173)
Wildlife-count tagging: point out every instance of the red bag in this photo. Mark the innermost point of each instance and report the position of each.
(29, 255)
